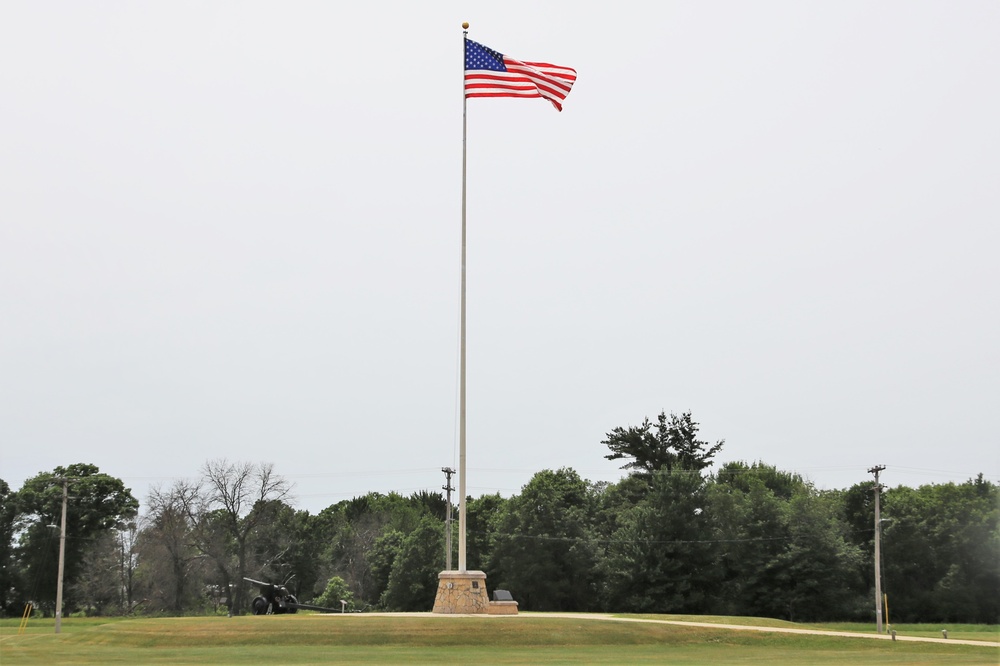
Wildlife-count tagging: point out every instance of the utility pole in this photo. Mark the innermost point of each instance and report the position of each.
(878, 549)
(62, 556)
(448, 471)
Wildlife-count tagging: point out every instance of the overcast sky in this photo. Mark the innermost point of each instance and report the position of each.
(232, 230)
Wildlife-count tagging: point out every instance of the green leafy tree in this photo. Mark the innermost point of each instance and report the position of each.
(413, 581)
(336, 591)
(613, 502)
(783, 549)
(818, 575)
(673, 444)
(365, 534)
(940, 546)
(546, 553)
(749, 522)
(971, 588)
(381, 558)
(428, 503)
(9, 578)
(661, 559)
(99, 503)
(741, 476)
(350, 551)
(283, 550)
(483, 517)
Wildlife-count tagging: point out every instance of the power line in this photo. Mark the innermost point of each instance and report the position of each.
(569, 539)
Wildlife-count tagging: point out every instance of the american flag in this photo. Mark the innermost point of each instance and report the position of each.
(492, 74)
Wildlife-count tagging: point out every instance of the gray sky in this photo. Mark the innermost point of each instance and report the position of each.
(232, 230)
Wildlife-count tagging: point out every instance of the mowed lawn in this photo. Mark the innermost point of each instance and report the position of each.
(420, 638)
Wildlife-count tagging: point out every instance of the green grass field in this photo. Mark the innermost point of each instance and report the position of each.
(526, 639)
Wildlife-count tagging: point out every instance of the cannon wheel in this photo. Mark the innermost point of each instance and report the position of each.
(259, 606)
(290, 599)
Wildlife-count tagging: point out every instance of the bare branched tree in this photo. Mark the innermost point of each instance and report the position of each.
(170, 559)
(237, 495)
(127, 540)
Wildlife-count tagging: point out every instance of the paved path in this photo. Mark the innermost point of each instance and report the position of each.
(819, 632)
(714, 625)
(778, 630)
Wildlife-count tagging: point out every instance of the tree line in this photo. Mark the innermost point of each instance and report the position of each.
(670, 537)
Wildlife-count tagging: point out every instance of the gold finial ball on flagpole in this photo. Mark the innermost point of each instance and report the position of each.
(465, 25)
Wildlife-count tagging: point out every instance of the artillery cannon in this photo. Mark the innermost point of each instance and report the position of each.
(275, 600)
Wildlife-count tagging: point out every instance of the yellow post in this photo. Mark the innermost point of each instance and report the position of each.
(24, 618)
(885, 605)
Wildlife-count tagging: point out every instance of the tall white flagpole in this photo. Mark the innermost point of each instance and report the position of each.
(461, 417)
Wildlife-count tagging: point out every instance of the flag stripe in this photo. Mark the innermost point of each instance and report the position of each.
(551, 70)
(491, 74)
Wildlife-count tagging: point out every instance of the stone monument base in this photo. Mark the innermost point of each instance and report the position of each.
(464, 592)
